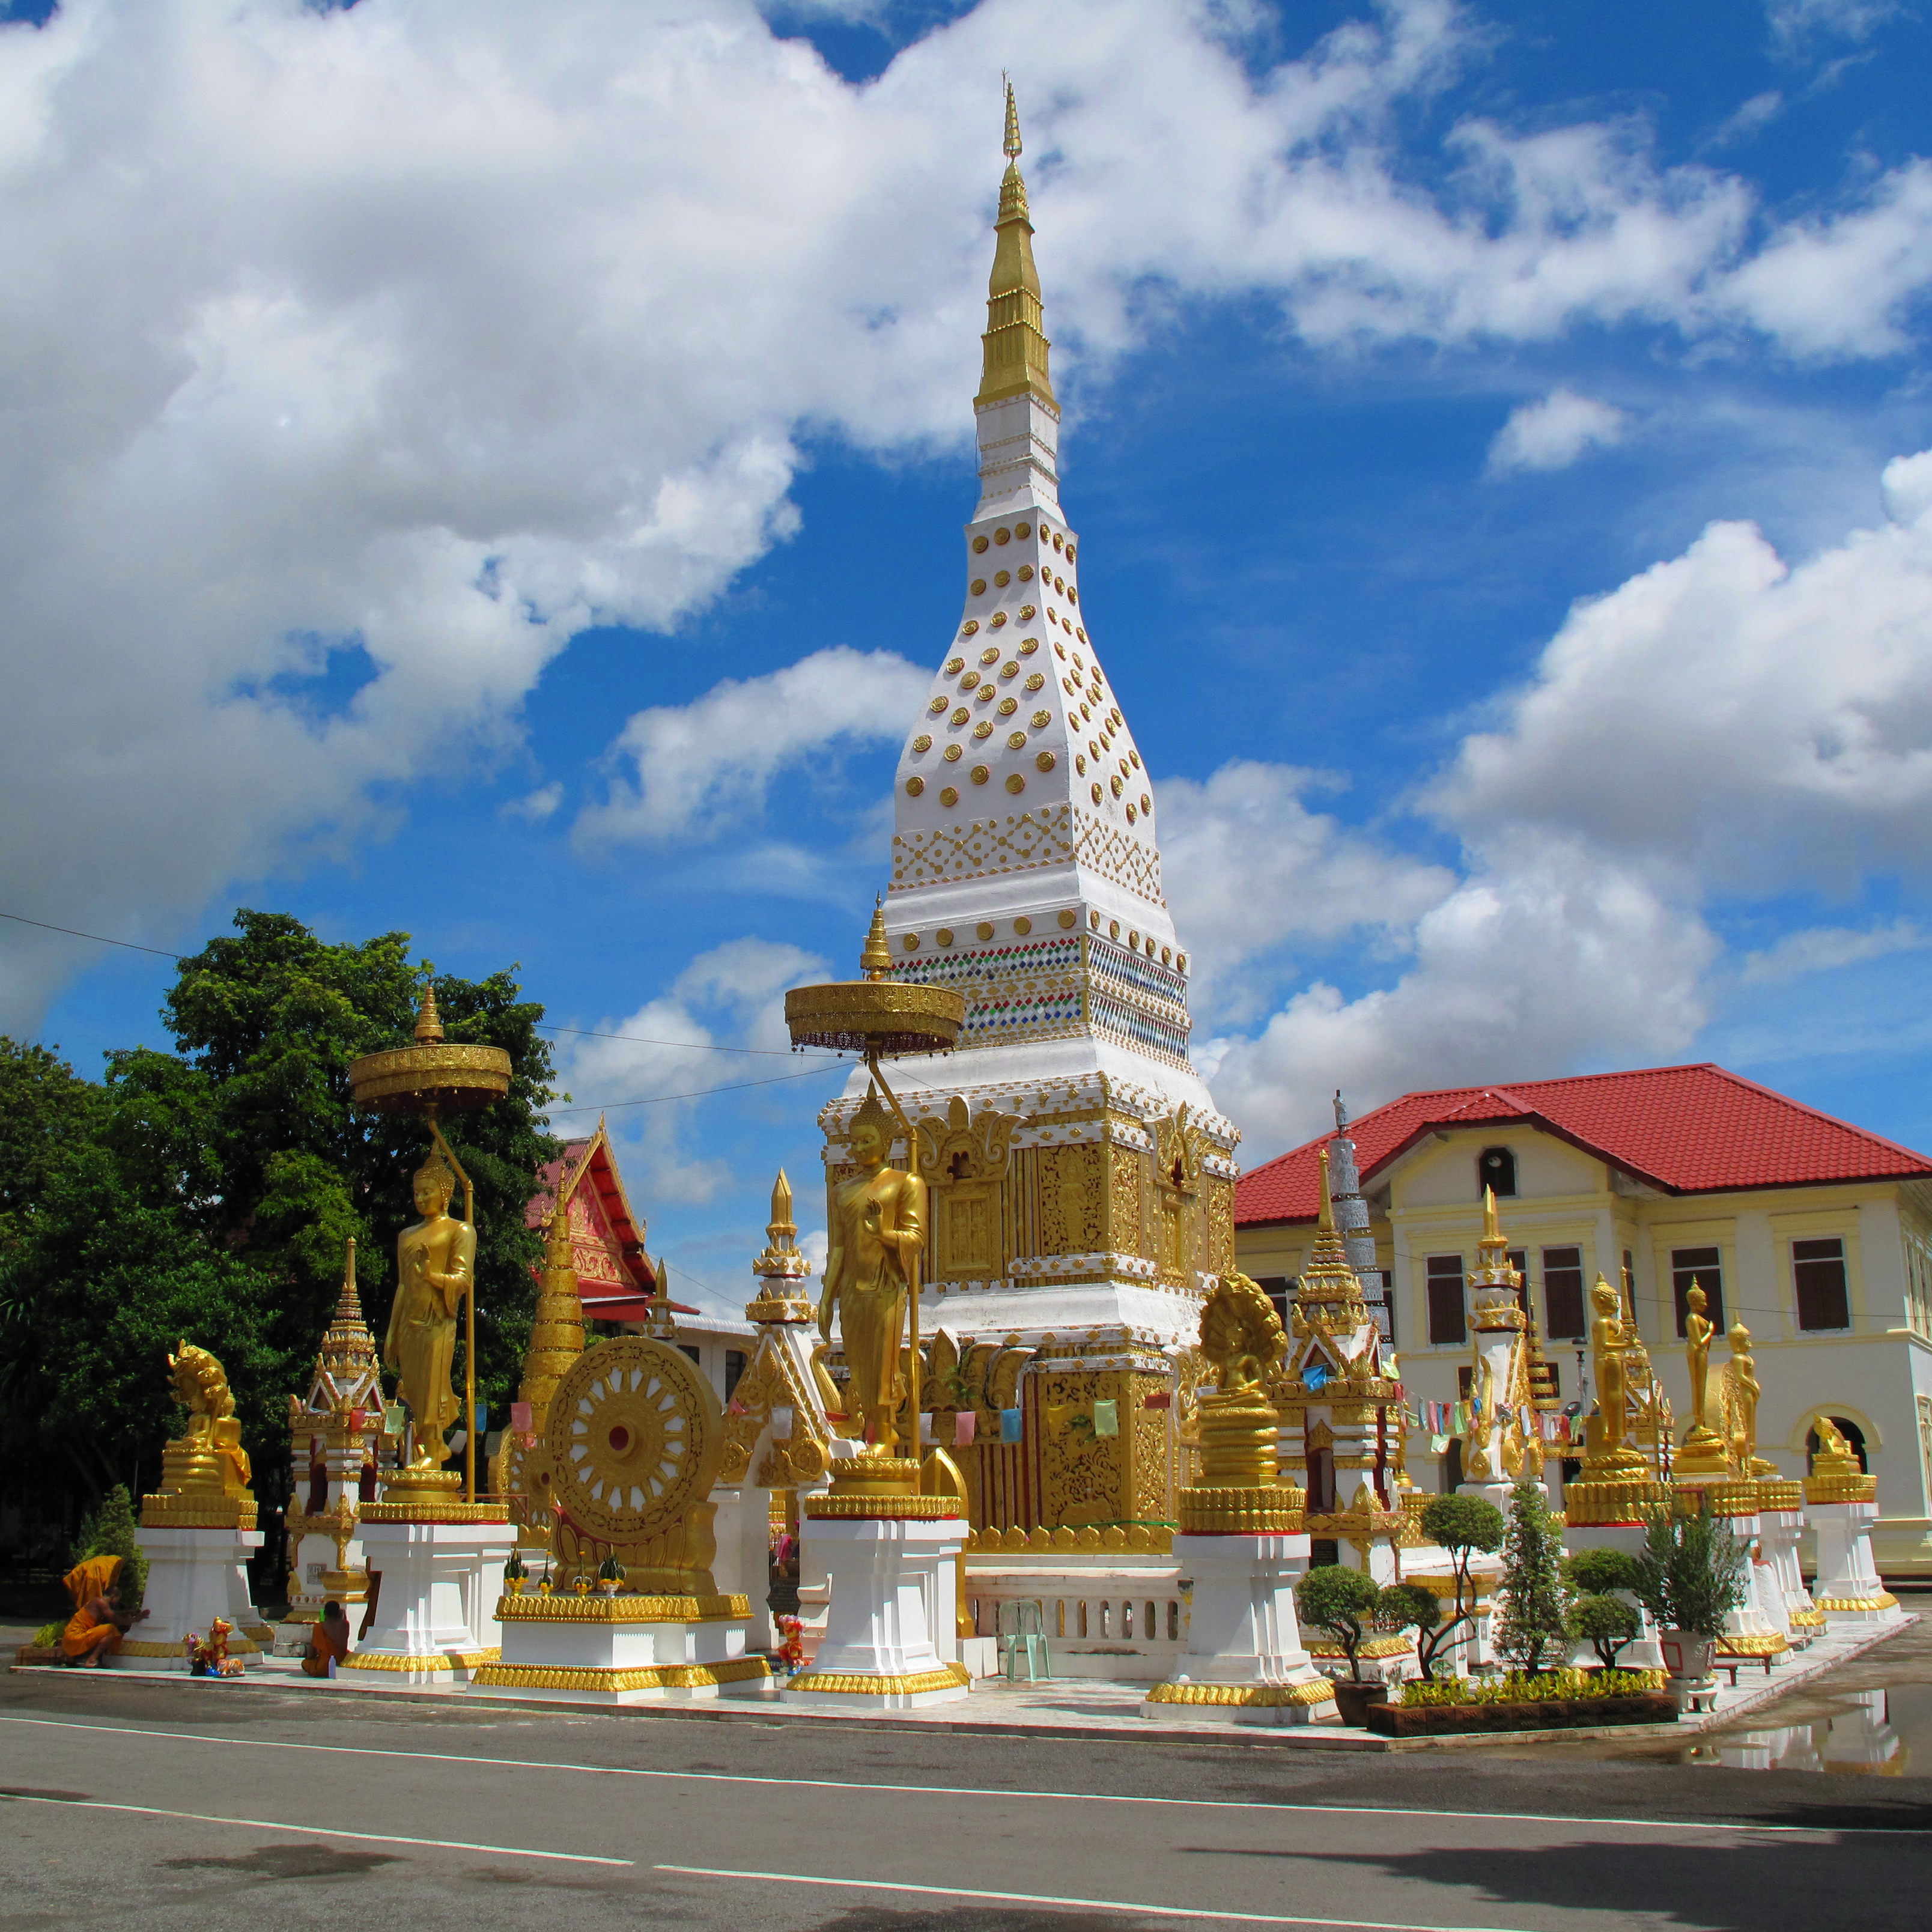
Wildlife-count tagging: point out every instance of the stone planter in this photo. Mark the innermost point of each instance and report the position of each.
(1441, 1720)
(1355, 1701)
(1687, 1665)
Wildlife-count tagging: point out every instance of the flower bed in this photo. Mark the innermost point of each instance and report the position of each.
(1553, 1700)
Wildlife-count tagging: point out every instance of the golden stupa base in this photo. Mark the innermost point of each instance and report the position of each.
(429, 1495)
(1833, 1487)
(1265, 1510)
(1608, 1501)
(1777, 1494)
(1722, 1494)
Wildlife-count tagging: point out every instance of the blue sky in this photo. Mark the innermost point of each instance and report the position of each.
(497, 472)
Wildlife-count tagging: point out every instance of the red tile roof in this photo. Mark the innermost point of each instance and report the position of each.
(1685, 1130)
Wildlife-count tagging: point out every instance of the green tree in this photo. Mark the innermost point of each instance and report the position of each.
(206, 1194)
(1536, 1603)
(1690, 1572)
(1403, 1606)
(1601, 1573)
(1606, 1624)
(1460, 1526)
(1341, 1601)
(110, 1531)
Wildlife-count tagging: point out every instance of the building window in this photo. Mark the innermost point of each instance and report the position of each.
(1447, 1325)
(734, 1367)
(1563, 1294)
(1818, 1268)
(690, 1348)
(1495, 1170)
(1703, 1266)
(1852, 1434)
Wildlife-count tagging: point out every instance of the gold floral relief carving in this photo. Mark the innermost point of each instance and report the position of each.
(1083, 1474)
(1221, 1227)
(1128, 1235)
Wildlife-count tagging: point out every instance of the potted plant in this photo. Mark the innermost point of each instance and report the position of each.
(1535, 1601)
(514, 1574)
(1690, 1577)
(1342, 1602)
(610, 1576)
(1459, 1526)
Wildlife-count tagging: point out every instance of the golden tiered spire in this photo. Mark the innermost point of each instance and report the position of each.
(781, 1267)
(429, 1021)
(1328, 1278)
(1015, 347)
(1495, 1280)
(348, 1348)
(556, 1329)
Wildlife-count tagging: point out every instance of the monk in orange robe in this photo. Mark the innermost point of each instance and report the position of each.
(329, 1644)
(94, 1631)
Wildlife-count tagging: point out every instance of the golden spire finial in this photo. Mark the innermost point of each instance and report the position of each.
(1492, 1228)
(1325, 1224)
(876, 961)
(1015, 359)
(429, 1021)
(781, 1223)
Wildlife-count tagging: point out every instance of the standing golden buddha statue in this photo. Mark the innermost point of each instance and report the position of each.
(435, 1263)
(1705, 1452)
(877, 1228)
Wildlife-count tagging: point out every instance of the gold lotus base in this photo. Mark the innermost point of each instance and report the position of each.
(592, 1679)
(1754, 1643)
(621, 1609)
(1143, 1539)
(1884, 1601)
(1376, 1648)
(883, 1508)
(190, 1509)
(239, 1646)
(1840, 1488)
(1265, 1511)
(1615, 1500)
(432, 1509)
(1811, 1619)
(853, 1684)
(434, 1661)
(875, 1476)
(1250, 1696)
(1775, 1493)
(1724, 1497)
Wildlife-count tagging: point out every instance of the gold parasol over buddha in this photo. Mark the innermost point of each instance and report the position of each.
(435, 1256)
(877, 1219)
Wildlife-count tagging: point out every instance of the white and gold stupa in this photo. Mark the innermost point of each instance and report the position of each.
(1081, 1179)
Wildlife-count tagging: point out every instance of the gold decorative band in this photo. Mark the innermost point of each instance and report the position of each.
(1775, 1493)
(1807, 1619)
(922, 1509)
(643, 1677)
(1754, 1643)
(1621, 1501)
(854, 1684)
(1265, 1511)
(237, 1646)
(472, 1660)
(434, 1509)
(163, 1510)
(1884, 1601)
(1375, 1647)
(384, 1660)
(1840, 1488)
(1249, 1696)
(541, 1610)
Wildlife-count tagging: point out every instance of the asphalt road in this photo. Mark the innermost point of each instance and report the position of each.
(212, 1806)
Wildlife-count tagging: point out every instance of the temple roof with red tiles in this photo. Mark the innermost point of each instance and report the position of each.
(1681, 1130)
(615, 1276)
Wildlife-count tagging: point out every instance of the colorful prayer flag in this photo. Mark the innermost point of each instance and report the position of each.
(965, 1426)
(1010, 1425)
(520, 1418)
(1106, 1418)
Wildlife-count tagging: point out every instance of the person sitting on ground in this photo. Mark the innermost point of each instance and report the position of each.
(94, 1631)
(329, 1644)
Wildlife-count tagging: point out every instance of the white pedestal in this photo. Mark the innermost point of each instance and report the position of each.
(1645, 1653)
(1848, 1589)
(620, 1650)
(743, 1564)
(194, 1576)
(877, 1653)
(1756, 1627)
(435, 1612)
(1778, 1532)
(1245, 1662)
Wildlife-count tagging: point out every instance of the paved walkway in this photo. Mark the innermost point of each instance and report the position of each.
(1073, 1707)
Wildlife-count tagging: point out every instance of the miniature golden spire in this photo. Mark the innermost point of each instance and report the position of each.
(1328, 1277)
(781, 1267)
(1015, 361)
(556, 1326)
(348, 1348)
(780, 1227)
(876, 961)
(429, 1021)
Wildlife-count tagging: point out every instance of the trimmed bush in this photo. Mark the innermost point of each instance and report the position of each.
(1341, 1601)
(1606, 1624)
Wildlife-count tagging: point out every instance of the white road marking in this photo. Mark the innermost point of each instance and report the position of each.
(1084, 1904)
(310, 1831)
(975, 1791)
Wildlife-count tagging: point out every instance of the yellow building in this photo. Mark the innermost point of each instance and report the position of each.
(1815, 1234)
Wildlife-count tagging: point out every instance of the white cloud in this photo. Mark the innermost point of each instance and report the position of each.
(533, 808)
(1823, 949)
(1546, 957)
(1794, 23)
(702, 768)
(732, 995)
(1551, 433)
(401, 342)
(1250, 870)
(1750, 721)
